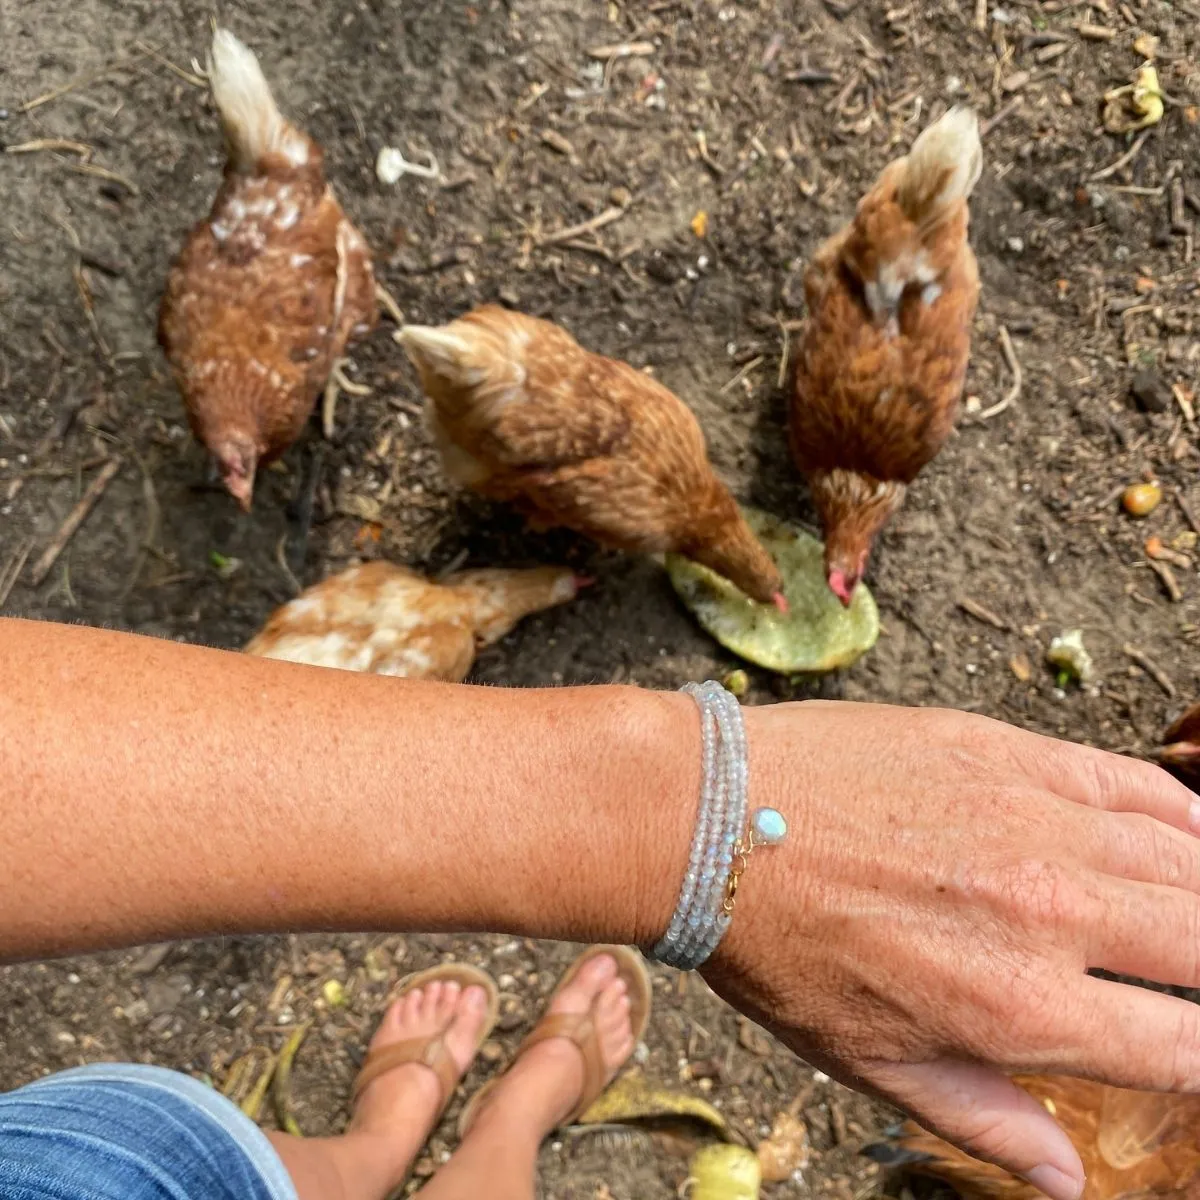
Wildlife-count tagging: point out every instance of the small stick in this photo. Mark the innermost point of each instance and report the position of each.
(82, 81)
(752, 365)
(622, 50)
(982, 613)
(981, 15)
(75, 518)
(1010, 357)
(1151, 668)
(62, 145)
(607, 217)
(162, 60)
(1179, 221)
(389, 303)
(1186, 509)
(12, 571)
(1095, 33)
(91, 168)
(1003, 115)
(282, 562)
(787, 346)
(1125, 158)
(1167, 578)
(337, 384)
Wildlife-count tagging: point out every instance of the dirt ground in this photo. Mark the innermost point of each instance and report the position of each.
(770, 116)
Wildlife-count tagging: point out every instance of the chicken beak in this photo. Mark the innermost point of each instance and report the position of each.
(780, 602)
(241, 488)
(842, 586)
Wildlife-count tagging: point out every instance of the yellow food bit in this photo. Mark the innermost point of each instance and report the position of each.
(1141, 499)
(700, 223)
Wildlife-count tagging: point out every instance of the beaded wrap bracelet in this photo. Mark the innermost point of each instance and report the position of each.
(723, 836)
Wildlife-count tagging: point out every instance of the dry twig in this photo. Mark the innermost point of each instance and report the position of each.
(1124, 160)
(607, 217)
(982, 613)
(75, 518)
(1151, 668)
(12, 570)
(1010, 357)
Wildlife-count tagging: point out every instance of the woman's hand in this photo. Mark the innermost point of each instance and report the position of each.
(946, 884)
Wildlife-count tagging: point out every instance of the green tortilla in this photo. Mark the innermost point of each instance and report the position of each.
(816, 635)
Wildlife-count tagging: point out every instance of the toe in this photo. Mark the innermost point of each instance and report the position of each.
(466, 1025)
(431, 994)
(447, 1002)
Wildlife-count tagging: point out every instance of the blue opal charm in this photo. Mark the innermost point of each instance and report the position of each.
(768, 827)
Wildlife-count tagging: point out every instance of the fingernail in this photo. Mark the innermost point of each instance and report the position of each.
(1194, 816)
(1055, 1183)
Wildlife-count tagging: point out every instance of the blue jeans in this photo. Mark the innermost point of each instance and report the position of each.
(116, 1131)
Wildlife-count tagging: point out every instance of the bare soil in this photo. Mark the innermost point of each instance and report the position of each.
(799, 103)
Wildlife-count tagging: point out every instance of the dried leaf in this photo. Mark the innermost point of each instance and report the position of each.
(631, 1098)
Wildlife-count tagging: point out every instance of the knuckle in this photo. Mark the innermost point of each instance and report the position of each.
(1032, 891)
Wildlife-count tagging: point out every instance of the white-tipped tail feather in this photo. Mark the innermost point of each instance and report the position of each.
(942, 167)
(253, 123)
(440, 352)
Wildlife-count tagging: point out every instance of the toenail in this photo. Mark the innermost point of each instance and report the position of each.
(605, 968)
(476, 999)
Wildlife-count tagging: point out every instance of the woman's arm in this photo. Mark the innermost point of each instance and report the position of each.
(927, 925)
(157, 790)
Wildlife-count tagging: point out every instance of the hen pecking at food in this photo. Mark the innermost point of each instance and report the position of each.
(268, 288)
(385, 620)
(522, 413)
(1133, 1144)
(884, 348)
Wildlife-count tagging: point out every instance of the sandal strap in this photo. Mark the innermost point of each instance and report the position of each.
(429, 1052)
(580, 1030)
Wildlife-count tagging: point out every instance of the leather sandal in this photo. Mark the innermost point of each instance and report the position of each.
(579, 1029)
(430, 1051)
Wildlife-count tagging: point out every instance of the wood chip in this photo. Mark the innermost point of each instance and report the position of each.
(1095, 33)
(75, 518)
(982, 613)
(1179, 219)
(621, 50)
(557, 142)
(1021, 667)
(1050, 53)
(1016, 81)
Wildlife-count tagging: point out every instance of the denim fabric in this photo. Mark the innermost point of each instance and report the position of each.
(116, 1131)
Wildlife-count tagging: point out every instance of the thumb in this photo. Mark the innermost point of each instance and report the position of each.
(984, 1113)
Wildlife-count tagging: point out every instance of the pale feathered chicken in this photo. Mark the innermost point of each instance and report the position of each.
(522, 413)
(268, 288)
(883, 353)
(386, 620)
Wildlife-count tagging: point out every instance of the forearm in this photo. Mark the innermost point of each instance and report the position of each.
(152, 790)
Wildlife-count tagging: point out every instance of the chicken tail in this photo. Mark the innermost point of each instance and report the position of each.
(941, 168)
(254, 126)
(442, 352)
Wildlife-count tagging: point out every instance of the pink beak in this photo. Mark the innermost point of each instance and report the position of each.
(583, 581)
(780, 602)
(841, 587)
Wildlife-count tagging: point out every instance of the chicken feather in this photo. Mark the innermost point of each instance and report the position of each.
(268, 289)
(523, 414)
(1133, 1144)
(884, 349)
(386, 620)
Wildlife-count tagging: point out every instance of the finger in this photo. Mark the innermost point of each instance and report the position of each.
(1126, 1036)
(1146, 930)
(984, 1113)
(1137, 847)
(1110, 782)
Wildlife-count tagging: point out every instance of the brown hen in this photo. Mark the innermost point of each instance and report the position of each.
(884, 349)
(522, 413)
(1133, 1144)
(386, 620)
(267, 289)
(1180, 752)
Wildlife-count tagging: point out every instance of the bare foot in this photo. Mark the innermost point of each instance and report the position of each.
(396, 1111)
(544, 1085)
